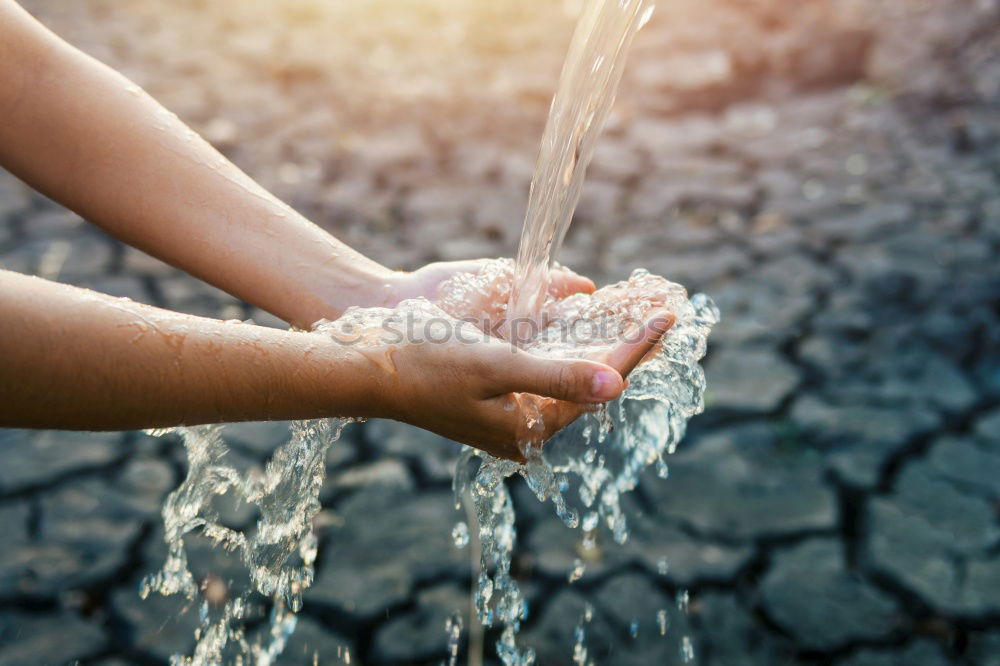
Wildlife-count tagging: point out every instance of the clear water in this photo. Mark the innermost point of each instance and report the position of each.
(586, 468)
(278, 553)
(583, 471)
(583, 100)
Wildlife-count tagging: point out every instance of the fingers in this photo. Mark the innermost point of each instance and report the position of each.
(573, 380)
(566, 384)
(563, 282)
(640, 341)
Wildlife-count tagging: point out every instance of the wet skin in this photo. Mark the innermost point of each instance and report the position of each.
(76, 359)
(92, 140)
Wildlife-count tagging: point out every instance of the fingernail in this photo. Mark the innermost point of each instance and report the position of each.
(607, 385)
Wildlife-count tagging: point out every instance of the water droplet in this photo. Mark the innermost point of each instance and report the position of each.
(576, 573)
(683, 601)
(460, 535)
(662, 621)
(286, 492)
(662, 470)
(687, 650)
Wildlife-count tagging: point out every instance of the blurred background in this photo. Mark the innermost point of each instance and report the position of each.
(827, 172)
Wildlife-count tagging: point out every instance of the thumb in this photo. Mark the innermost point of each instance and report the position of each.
(574, 380)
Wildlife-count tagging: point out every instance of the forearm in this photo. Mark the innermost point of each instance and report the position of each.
(89, 138)
(75, 359)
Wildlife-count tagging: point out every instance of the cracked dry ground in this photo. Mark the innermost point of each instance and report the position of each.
(829, 176)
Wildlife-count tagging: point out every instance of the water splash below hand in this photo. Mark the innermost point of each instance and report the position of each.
(586, 468)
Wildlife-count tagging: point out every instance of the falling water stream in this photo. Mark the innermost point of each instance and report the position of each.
(584, 470)
(580, 108)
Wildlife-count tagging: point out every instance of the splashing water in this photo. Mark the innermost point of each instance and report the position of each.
(585, 469)
(278, 554)
(603, 454)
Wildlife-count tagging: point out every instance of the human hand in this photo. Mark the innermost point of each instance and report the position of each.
(633, 348)
(458, 288)
(484, 392)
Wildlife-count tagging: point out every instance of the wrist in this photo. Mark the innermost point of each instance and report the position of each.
(342, 379)
(333, 289)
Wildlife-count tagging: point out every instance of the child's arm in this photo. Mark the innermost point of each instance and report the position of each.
(72, 358)
(89, 138)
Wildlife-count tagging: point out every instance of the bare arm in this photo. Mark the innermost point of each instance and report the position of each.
(72, 358)
(89, 138)
(75, 359)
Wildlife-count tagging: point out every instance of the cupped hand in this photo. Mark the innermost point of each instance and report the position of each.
(633, 348)
(458, 288)
(496, 397)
